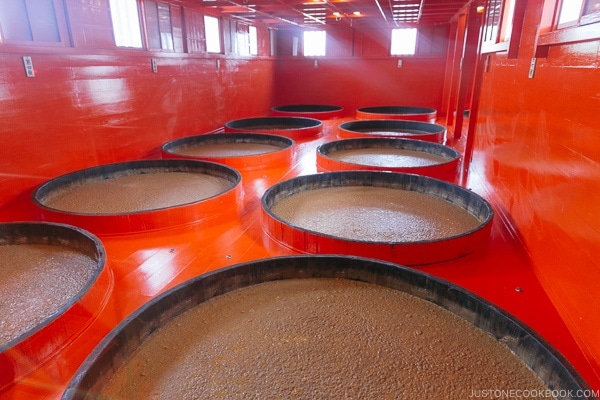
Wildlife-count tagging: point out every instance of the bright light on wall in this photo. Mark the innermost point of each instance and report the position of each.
(404, 41)
(126, 23)
(314, 43)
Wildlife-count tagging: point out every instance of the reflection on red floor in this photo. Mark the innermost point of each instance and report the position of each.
(142, 265)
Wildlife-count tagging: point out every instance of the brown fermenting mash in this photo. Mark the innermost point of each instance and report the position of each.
(136, 192)
(392, 131)
(376, 214)
(318, 339)
(35, 282)
(268, 127)
(216, 150)
(387, 157)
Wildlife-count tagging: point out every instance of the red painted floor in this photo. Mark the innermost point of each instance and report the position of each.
(140, 266)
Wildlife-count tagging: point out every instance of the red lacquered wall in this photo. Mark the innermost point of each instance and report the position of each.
(359, 72)
(537, 147)
(93, 103)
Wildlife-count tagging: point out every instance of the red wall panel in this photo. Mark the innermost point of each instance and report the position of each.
(358, 71)
(81, 111)
(538, 148)
(357, 82)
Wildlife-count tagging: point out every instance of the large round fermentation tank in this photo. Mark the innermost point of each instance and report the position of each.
(404, 218)
(242, 151)
(165, 196)
(316, 111)
(392, 129)
(165, 313)
(386, 154)
(424, 114)
(297, 128)
(54, 291)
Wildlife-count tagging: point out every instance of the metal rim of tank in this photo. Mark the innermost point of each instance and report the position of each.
(263, 160)
(413, 113)
(409, 252)
(317, 111)
(297, 128)
(446, 170)
(143, 220)
(20, 355)
(392, 128)
(547, 363)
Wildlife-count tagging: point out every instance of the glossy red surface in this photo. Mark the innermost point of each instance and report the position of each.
(536, 156)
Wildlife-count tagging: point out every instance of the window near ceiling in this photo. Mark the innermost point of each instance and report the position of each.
(243, 39)
(31, 21)
(314, 43)
(253, 40)
(247, 41)
(213, 34)
(404, 41)
(570, 11)
(578, 12)
(126, 23)
(194, 31)
(563, 20)
(502, 26)
(158, 25)
(498, 21)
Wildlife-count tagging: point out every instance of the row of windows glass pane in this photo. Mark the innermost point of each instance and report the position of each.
(572, 10)
(404, 42)
(213, 38)
(247, 40)
(569, 11)
(28, 20)
(126, 23)
(127, 30)
(314, 43)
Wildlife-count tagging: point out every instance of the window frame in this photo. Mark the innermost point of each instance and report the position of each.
(61, 26)
(510, 28)
(158, 28)
(246, 39)
(587, 29)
